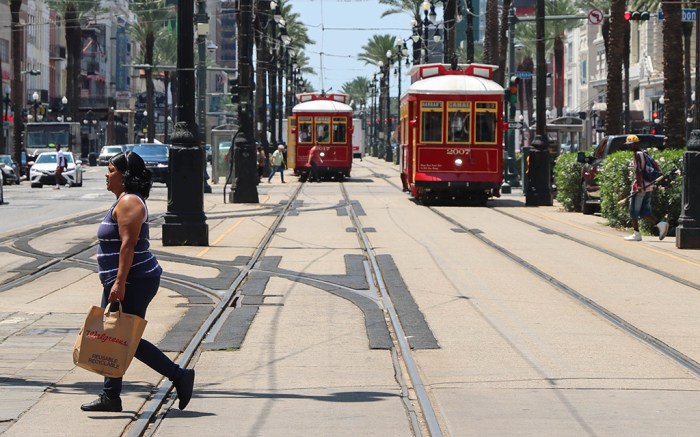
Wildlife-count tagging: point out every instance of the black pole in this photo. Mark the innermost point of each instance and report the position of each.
(185, 222)
(244, 154)
(537, 167)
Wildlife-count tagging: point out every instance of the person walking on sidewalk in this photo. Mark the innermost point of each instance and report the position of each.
(130, 273)
(315, 160)
(261, 161)
(277, 161)
(61, 166)
(640, 200)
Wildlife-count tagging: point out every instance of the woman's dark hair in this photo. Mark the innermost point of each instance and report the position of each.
(137, 178)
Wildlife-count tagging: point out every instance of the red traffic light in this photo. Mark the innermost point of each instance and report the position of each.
(654, 115)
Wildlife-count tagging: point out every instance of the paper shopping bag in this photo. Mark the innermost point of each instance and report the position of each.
(107, 341)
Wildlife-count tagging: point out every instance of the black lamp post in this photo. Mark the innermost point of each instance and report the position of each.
(388, 153)
(426, 22)
(185, 222)
(244, 155)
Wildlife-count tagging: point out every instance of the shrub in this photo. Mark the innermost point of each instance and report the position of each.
(567, 178)
(616, 177)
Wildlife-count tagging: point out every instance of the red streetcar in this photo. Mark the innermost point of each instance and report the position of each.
(324, 120)
(452, 133)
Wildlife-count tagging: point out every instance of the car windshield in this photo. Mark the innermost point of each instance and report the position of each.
(50, 158)
(111, 149)
(153, 151)
(6, 159)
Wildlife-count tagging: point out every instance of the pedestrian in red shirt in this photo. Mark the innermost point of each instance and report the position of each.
(315, 160)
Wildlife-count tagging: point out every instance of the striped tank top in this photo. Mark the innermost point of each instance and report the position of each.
(145, 264)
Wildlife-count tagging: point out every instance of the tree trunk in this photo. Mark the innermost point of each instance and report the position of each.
(470, 32)
(491, 33)
(674, 99)
(613, 122)
(499, 75)
(450, 30)
(150, 107)
(272, 90)
(527, 65)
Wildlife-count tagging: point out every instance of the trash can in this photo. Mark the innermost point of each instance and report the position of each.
(92, 159)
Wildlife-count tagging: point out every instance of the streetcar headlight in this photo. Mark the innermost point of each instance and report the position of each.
(322, 154)
(458, 162)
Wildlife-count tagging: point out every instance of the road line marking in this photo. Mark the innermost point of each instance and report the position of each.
(218, 240)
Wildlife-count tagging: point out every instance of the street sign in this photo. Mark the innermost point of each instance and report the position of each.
(515, 125)
(687, 15)
(524, 75)
(595, 16)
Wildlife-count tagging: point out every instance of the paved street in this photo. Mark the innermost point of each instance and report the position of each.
(520, 321)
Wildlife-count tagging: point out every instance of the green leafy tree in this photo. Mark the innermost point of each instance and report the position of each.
(374, 52)
(152, 16)
(357, 89)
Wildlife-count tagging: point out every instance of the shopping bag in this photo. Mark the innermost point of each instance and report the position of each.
(107, 341)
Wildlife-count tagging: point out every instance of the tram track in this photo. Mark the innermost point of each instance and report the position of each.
(413, 390)
(652, 341)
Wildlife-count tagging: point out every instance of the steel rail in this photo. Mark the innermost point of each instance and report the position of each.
(152, 407)
(674, 354)
(406, 354)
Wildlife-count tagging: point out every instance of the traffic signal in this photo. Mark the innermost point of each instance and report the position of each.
(513, 91)
(234, 90)
(636, 16)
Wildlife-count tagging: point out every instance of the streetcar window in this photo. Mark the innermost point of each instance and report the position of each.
(431, 122)
(339, 130)
(458, 125)
(486, 122)
(305, 129)
(323, 130)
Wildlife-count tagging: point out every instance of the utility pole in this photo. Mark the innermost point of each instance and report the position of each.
(244, 153)
(185, 222)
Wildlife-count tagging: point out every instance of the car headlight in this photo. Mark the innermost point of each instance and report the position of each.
(161, 165)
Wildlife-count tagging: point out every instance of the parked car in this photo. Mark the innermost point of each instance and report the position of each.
(108, 152)
(156, 158)
(590, 190)
(11, 171)
(44, 168)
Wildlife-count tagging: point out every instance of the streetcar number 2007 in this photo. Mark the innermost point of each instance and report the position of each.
(457, 152)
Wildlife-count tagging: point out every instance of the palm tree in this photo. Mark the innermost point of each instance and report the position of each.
(411, 8)
(73, 12)
(152, 16)
(165, 53)
(374, 52)
(491, 33)
(554, 34)
(357, 89)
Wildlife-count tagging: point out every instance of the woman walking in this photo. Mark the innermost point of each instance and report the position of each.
(130, 273)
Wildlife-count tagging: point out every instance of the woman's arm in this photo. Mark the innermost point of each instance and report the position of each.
(129, 214)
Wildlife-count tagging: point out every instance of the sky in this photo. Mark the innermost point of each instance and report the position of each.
(340, 28)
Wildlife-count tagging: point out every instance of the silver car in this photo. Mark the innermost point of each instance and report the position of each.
(44, 169)
(108, 152)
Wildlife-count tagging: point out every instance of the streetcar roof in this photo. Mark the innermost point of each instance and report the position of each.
(322, 106)
(461, 84)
